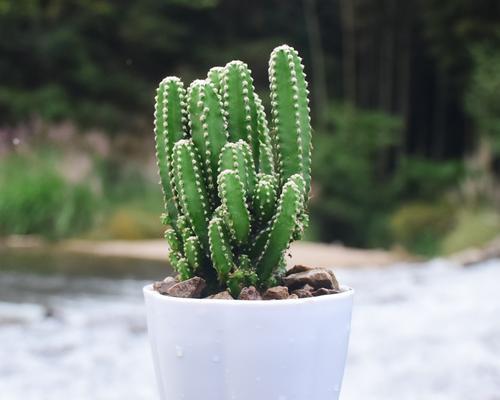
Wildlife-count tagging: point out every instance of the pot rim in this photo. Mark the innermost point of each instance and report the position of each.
(347, 292)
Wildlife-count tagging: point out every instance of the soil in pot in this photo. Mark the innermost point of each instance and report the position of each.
(299, 282)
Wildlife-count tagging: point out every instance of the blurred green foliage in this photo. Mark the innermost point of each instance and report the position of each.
(426, 180)
(35, 199)
(483, 95)
(426, 79)
(132, 203)
(352, 193)
(87, 60)
(473, 227)
(360, 180)
(421, 226)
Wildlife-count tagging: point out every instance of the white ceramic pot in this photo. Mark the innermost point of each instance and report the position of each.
(249, 350)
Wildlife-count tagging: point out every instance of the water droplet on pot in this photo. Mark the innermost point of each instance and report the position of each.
(281, 397)
(258, 379)
(216, 359)
(179, 351)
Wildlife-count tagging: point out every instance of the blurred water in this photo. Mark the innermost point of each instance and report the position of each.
(429, 332)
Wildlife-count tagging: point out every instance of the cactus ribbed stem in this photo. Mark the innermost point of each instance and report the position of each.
(264, 199)
(173, 241)
(283, 226)
(208, 126)
(233, 196)
(240, 278)
(266, 157)
(220, 249)
(215, 76)
(290, 112)
(170, 126)
(193, 252)
(180, 265)
(239, 102)
(235, 190)
(191, 187)
(238, 157)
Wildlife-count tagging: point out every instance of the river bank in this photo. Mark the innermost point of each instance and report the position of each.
(316, 254)
(156, 252)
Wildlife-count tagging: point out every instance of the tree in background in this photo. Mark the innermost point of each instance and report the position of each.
(483, 105)
(398, 73)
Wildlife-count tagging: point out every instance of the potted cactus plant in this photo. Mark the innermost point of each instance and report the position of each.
(236, 195)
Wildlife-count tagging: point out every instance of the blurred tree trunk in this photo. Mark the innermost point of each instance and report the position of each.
(377, 49)
(403, 68)
(349, 50)
(317, 61)
(439, 128)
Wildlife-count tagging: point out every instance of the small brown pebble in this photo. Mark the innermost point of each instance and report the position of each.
(276, 293)
(250, 293)
(334, 279)
(191, 288)
(302, 293)
(323, 291)
(223, 296)
(317, 278)
(298, 268)
(293, 296)
(163, 286)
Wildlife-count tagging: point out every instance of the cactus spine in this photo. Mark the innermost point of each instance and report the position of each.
(235, 191)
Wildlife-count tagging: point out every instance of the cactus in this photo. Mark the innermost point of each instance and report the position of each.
(235, 189)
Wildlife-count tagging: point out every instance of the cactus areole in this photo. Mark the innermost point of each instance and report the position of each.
(235, 182)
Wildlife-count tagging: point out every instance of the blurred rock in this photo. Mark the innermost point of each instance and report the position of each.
(191, 288)
(276, 293)
(303, 292)
(250, 293)
(298, 268)
(163, 286)
(324, 291)
(317, 278)
(223, 296)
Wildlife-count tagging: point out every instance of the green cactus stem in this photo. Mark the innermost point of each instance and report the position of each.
(215, 76)
(191, 187)
(220, 249)
(264, 199)
(238, 95)
(282, 229)
(194, 253)
(239, 279)
(233, 196)
(180, 265)
(174, 244)
(170, 126)
(238, 157)
(235, 190)
(266, 158)
(290, 111)
(208, 126)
